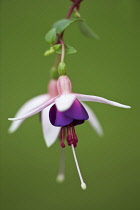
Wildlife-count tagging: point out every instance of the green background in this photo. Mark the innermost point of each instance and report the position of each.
(109, 68)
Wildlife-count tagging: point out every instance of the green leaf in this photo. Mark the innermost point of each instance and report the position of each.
(51, 36)
(56, 47)
(62, 24)
(68, 50)
(49, 52)
(87, 31)
(52, 49)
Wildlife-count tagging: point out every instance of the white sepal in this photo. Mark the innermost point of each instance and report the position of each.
(36, 110)
(100, 100)
(27, 107)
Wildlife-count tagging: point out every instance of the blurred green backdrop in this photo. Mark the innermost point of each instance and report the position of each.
(108, 68)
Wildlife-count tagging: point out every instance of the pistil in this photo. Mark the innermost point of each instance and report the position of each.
(72, 140)
(83, 185)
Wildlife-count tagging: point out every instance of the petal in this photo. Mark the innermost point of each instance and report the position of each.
(77, 111)
(50, 132)
(94, 122)
(65, 101)
(100, 100)
(58, 118)
(27, 107)
(36, 110)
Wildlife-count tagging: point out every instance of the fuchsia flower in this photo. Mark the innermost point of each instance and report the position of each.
(50, 132)
(64, 111)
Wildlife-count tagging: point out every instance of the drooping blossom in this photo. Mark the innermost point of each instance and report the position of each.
(50, 132)
(65, 111)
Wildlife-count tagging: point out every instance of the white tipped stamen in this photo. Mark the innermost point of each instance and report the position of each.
(61, 174)
(83, 185)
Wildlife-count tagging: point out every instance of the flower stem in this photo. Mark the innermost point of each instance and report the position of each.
(57, 60)
(63, 49)
(76, 4)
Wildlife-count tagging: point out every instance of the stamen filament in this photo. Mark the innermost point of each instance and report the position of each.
(61, 173)
(62, 137)
(83, 185)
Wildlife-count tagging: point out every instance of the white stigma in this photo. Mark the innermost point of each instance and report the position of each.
(60, 178)
(83, 185)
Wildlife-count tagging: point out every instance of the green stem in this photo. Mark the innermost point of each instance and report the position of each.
(57, 60)
(63, 49)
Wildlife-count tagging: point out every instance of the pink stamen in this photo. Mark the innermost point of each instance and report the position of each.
(62, 137)
(75, 138)
(71, 136)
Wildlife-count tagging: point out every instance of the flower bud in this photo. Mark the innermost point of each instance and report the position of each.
(62, 68)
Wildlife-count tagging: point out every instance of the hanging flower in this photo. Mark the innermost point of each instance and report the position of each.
(50, 132)
(64, 111)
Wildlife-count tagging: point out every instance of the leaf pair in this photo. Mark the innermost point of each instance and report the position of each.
(58, 28)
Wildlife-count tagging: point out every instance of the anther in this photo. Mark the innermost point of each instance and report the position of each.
(75, 138)
(69, 139)
(62, 144)
(74, 144)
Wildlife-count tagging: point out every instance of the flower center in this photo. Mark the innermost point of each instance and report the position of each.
(69, 133)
